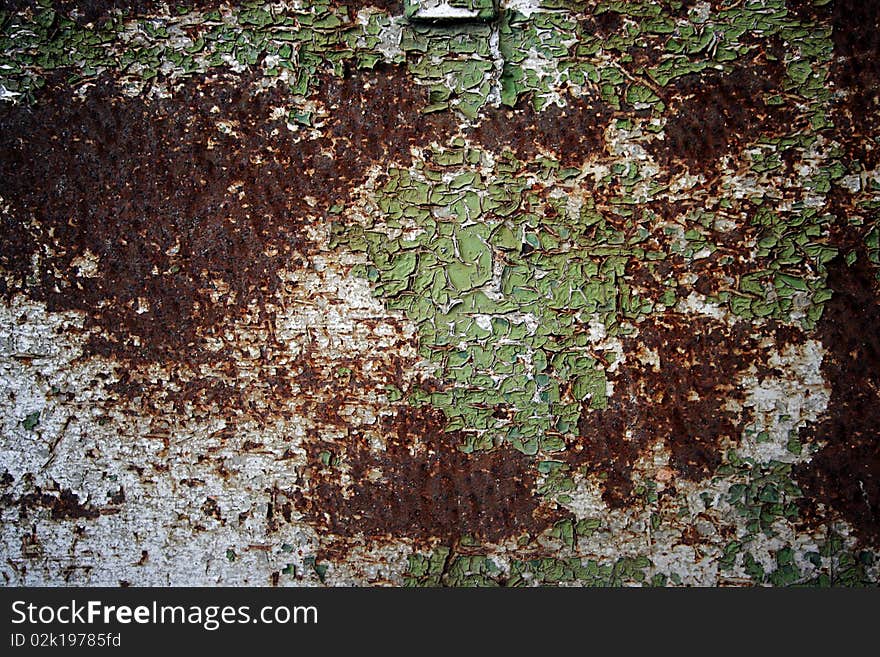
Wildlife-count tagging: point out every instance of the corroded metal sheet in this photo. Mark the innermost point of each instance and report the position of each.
(499, 293)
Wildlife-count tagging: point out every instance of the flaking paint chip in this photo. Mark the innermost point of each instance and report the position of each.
(447, 11)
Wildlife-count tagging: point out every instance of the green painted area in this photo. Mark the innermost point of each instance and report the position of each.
(296, 43)
(762, 495)
(466, 64)
(829, 565)
(503, 282)
(443, 568)
(794, 249)
(31, 421)
(515, 277)
(454, 61)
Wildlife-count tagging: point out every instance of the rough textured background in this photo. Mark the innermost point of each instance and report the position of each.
(538, 292)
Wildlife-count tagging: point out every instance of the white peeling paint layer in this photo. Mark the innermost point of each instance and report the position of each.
(781, 405)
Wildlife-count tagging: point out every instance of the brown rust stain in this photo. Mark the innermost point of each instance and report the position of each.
(845, 474)
(604, 24)
(856, 70)
(680, 401)
(63, 504)
(144, 187)
(15, 243)
(176, 211)
(731, 255)
(572, 133)
(420, 486)
(712, 114)
(393, 7)
(95, 11)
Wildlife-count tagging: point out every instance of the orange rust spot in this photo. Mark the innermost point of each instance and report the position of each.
(63, 504)
(680, 400)
(421, 486)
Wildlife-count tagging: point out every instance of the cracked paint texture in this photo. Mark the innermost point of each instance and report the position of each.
(465, 293)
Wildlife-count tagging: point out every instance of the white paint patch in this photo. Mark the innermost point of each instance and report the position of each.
(524, 7)
(86, 264)
(389, 41)
(176, 467)
(697, 304)
(611, 346)
(682, 560)
(5, 94)
(442, 10)
(781, 405)
(586, 499)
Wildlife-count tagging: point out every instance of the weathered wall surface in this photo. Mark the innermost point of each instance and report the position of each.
(459, 293)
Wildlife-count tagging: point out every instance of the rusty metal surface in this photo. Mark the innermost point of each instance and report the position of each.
(535, 292)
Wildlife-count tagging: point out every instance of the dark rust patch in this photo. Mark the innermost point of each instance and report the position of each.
(714, 114)
(92, 11)
(189, 225)
(731, 257)
(15, 242)
(420, 486)
(806, 11)
(144, 187)
(856, 70)
(63, 504)
(681, 401)
(573, 133)
(604, 24)
(392, 7)
(845, 474)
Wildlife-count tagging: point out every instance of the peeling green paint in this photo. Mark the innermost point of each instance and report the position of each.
(445, 568)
